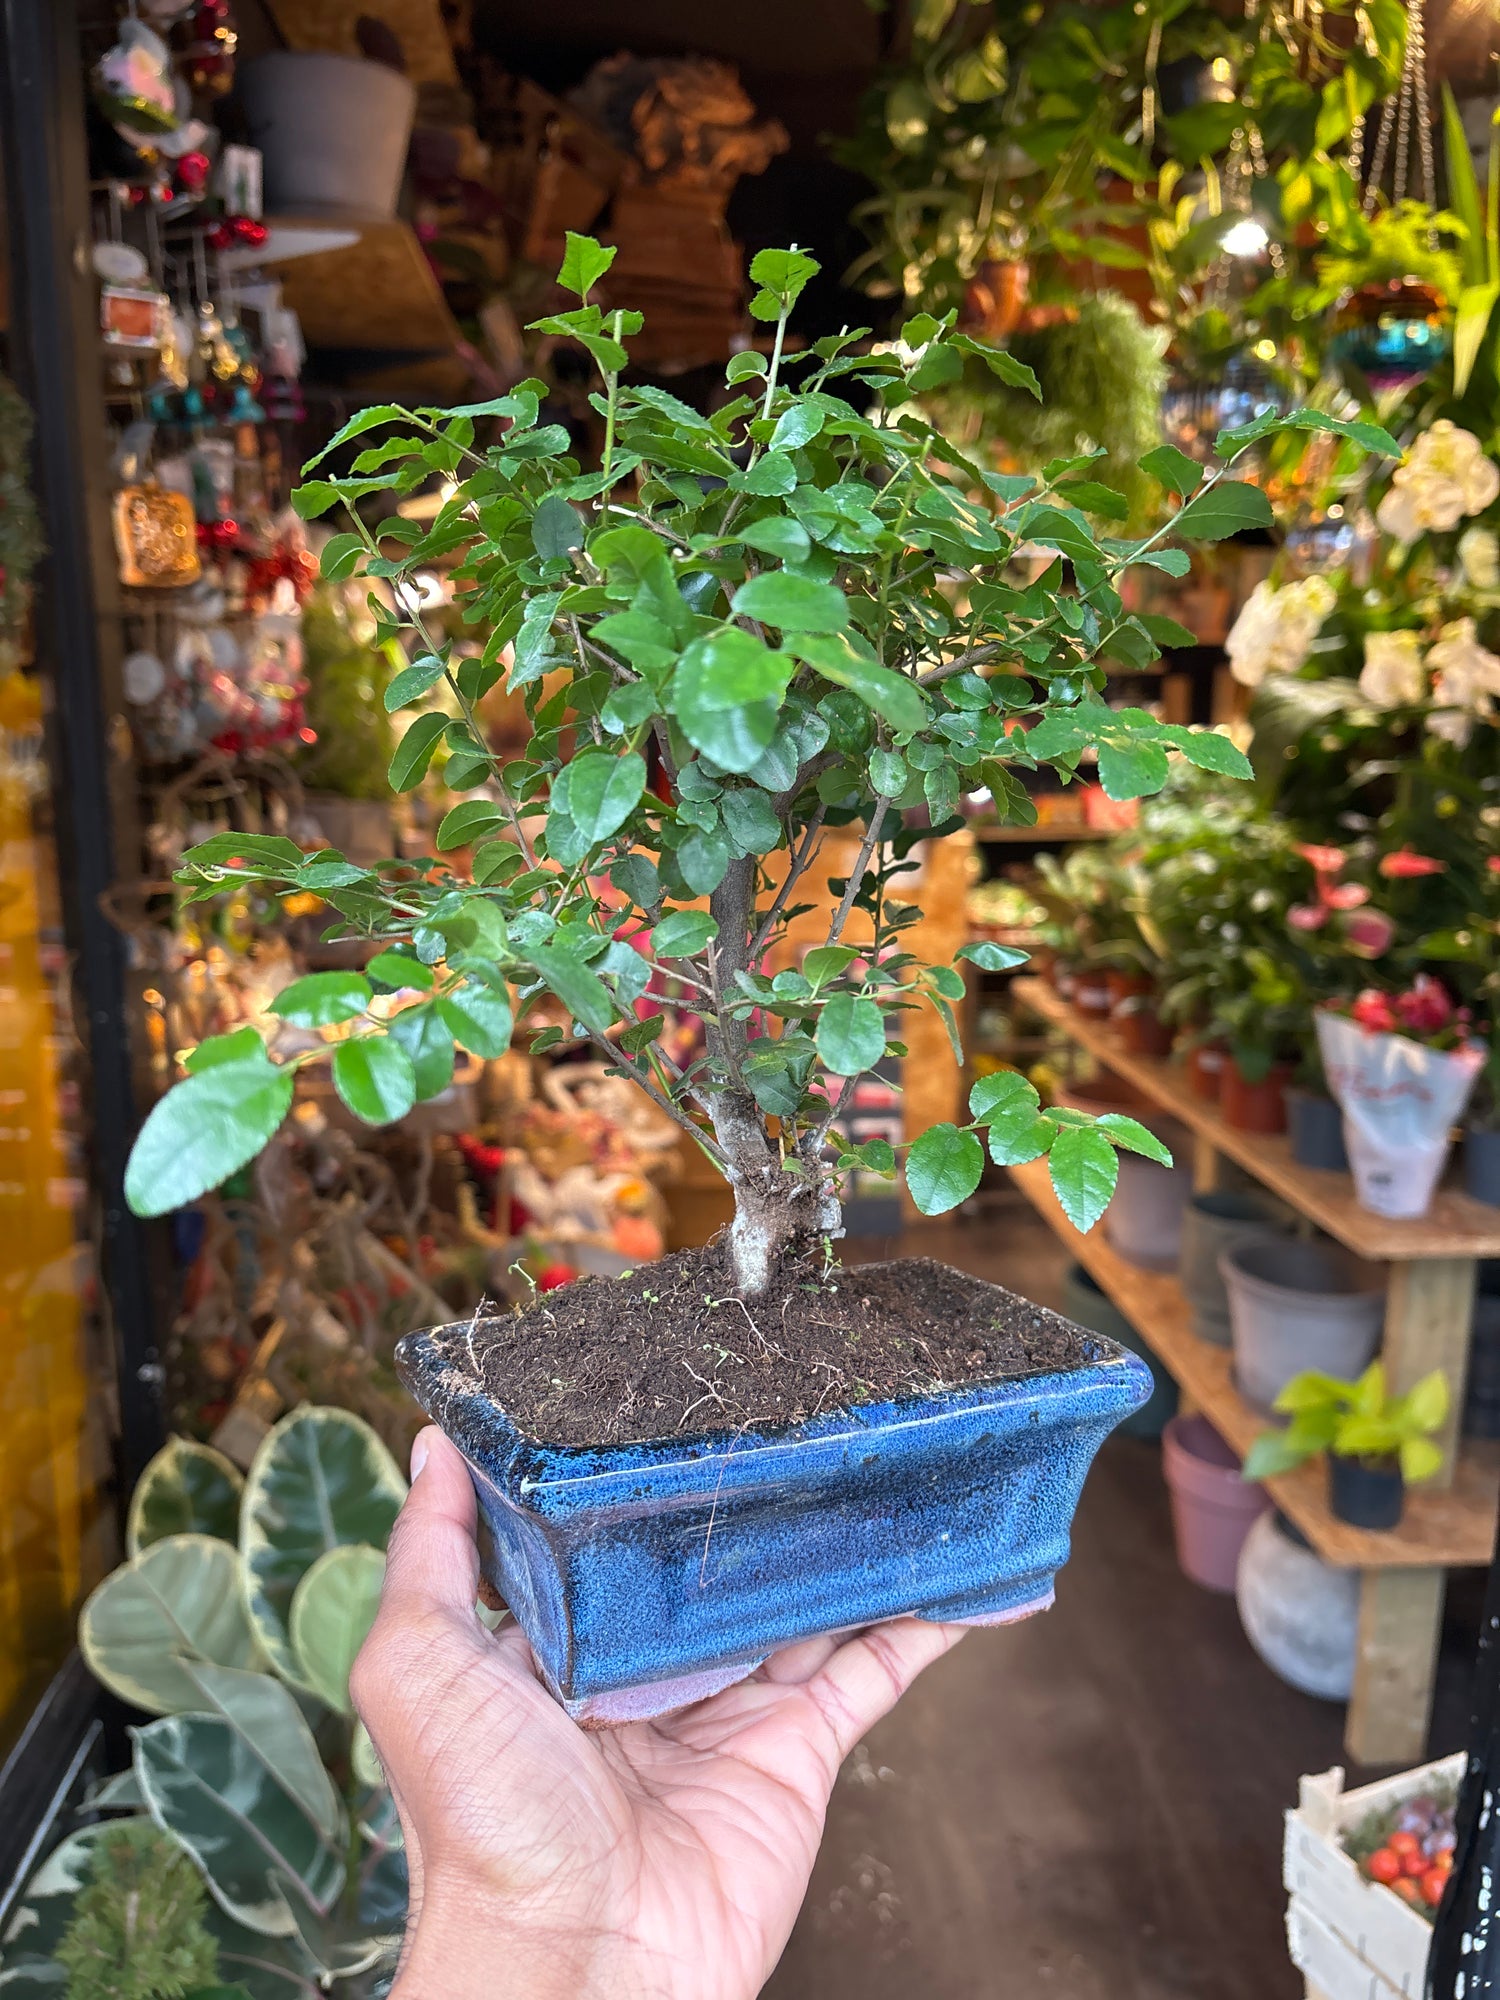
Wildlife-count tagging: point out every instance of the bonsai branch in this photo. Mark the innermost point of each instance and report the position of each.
(857, 873)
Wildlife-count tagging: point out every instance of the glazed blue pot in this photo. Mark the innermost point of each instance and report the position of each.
(647, 1576)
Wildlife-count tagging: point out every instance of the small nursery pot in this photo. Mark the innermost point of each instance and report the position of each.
(1086, 1305)
(647, 1576)
(1123, 986)
(1295, 1305)
(1091, 994)
(1316, 1125)
(1205, 1066)
(1254, 1107)
(1482, 1166)
(1144, 1219)
(1212, 1224)
(1213, 1508)
(1142, 1030)
(1366, 1495)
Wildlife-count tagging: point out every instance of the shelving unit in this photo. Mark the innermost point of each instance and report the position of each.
(1040, 835)
(1429, 1310)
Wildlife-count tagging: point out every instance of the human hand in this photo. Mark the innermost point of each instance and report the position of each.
(661, 1860)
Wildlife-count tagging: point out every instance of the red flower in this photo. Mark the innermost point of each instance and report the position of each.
(1426, 1009)
(1369, 933)
(1307, 917)
(1405, 865)
(1493, 864)
(1374, 1013)
(1343, 895)
(1324, 860)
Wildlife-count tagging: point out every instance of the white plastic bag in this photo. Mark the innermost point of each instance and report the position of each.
(1399, 1100)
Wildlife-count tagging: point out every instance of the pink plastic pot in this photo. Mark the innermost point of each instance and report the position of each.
(1213, 1509)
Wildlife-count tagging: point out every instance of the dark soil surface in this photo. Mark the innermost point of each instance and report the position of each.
(669, 1349)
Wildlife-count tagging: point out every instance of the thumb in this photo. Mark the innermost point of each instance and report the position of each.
(431, 1563)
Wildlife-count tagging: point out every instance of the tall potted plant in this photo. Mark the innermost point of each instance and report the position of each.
(749, 630)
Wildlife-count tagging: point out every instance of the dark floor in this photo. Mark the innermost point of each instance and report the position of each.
(1086, 1806)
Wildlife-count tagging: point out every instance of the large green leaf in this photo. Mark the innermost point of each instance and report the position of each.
(603, 791)
(428, 1042)
(374, 1076)
(187, 1489)
(727, 693)
(1084, 1168)
(322, 998)
(203, 1130)
(209, 1790)
(266, 1715)
(895, 698)
(791, 603)
(477, 1016)
(332, 1611)
(178, 1601)
(269, 1968)
(681, 933)
(943, 1168)
(320, 1480)
(1224, 509)
(580, 989)
(851, 1034)
(413, 753)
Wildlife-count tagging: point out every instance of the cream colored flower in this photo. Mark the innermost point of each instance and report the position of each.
(1276, 627)
(1479, 553)
(1446, 476)
(1454, 725)
(1465, 674)
(1393, 674)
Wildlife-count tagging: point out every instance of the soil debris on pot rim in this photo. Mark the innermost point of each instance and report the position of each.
(668, 1349)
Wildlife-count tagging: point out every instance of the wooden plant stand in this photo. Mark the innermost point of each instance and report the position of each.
(1428, 1321)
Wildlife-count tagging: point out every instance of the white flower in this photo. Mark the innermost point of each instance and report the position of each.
(1275, 629)
(1393, 674)
(1479, 553)
(1465, 674)
(1446, 475)
(1454, 725)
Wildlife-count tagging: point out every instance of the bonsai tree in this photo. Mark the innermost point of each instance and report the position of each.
(738, 634)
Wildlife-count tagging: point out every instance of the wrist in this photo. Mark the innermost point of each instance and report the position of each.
(464, 1949)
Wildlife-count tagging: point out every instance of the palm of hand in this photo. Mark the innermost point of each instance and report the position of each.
(656, 1861)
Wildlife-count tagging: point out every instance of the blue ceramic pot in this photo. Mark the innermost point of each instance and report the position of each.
(647, 1576)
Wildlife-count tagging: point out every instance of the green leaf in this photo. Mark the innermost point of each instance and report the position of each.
(374, 1077)
(1015, 374)
(703, 859)
(727, 695)
(827, 961)
(1135, 1137)
(414, 752)
(797, 425)
(777, 536)
(791, 603)
(893, 697)
(313, 497)
(321, 1480)
(265, 1714)
(340, 556)
(1084, 1168)
(603, 791)
(322, 998)
(682, 933)
(581, 991)
(584, 263)
(203, 1130)
(1132, 769)
(784, 272)
(1166, 632)
(888, 773)
(1210, 751)
(555, 529)
(750, 821)
(477, 1016)
(332, 1611)
(1222, 510)
(396, 970)
(991, 957)
(1095, 499)
(943, 1168)
(851, 1035)
(245, 1043)
(428, 1042)
(187, 1489)
(1174, 469)
(207, 1788)
(1273, 1453)
(744, 366)
(1476, 304)
(771, 476)
(178, 1601)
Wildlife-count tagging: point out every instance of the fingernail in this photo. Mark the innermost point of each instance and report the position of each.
(419, 1454)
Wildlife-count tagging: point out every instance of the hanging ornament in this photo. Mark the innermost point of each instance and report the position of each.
(208, 50)
(135, 85)
(154, 538)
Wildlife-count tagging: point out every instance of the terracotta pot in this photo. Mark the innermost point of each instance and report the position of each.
(1125, 986)
(1091, 995)
(1144, 1032)
(1254, 1107)
(1205, 1067)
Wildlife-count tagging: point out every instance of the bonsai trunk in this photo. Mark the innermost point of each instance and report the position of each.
(784, 1204)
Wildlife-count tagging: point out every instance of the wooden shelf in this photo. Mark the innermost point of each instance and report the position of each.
(1454, 1226)
(1453, 1526)
(1038, 836)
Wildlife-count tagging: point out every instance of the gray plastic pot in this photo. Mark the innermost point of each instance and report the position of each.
(1144, 1219)
(333, 131)
(1212, 1224)
(1482, 1166)
(1295, 1305)
(1315, 1125)
(1086, 1305)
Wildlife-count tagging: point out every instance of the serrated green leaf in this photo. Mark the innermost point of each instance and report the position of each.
(374, 1077)
(1225, 509)
(581, 991)
(1135, 1137)
(892, 696)
(1084, 1169)
(203, 1130)
(943, 1168)
(777, 536)
(584, 263)
(555, 529)
(1174, 469)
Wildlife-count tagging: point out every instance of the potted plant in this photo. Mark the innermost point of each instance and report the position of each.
(1402, 1066)
(343, 765)
(1378, 1444)
(743, 629)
